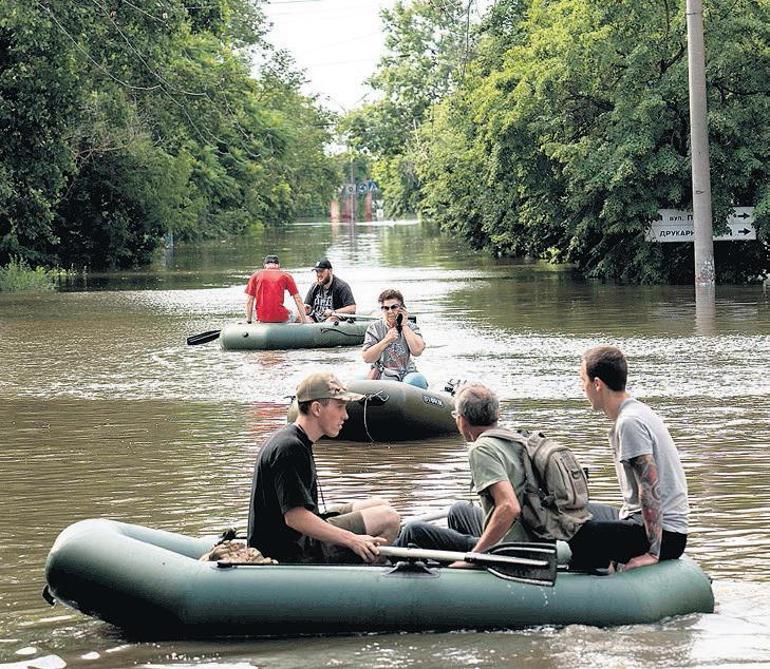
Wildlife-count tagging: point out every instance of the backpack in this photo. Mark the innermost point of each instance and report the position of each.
(555, 503)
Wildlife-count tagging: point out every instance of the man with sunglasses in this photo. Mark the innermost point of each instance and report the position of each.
(329, 294)
(390, 344)
(284, 519)
(498, 476)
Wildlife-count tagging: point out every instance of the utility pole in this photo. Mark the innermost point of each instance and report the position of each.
(353, 193)
(699, 149)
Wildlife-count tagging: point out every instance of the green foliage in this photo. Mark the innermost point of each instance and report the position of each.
(17, 276)
(569, 129)
(428, 47)
(120, 122)
(38, 94)
(118, 207)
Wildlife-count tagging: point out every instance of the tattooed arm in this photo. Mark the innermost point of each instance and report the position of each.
(646, 472)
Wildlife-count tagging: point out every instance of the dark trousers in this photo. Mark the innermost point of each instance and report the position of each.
(605, 538)
(464, 522)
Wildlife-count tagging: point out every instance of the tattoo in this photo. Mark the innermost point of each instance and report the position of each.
(649, 496)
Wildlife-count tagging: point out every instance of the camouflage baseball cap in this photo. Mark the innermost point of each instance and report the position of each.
(322, 386)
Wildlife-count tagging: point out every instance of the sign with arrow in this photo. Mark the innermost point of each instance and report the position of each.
(675, 225)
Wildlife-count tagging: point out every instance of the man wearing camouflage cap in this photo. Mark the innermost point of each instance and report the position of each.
(284, 519)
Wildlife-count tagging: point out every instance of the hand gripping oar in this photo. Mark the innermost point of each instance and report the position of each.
(203, 337)
(533, 563)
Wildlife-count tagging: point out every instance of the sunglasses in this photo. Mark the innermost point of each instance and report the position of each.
(392, 307)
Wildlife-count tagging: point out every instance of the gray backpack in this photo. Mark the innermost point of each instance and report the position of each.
(555, 503)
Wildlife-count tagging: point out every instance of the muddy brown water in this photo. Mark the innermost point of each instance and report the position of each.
(104, 411)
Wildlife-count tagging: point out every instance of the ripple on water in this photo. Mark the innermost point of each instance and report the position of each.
(107, 412)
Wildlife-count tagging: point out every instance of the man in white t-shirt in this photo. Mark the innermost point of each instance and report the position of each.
(651, 525)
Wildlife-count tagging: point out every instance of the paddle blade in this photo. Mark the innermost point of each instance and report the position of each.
(540, 574)
(203, 337)
(526, 562)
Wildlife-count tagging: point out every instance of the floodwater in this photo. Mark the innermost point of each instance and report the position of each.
(105, 411)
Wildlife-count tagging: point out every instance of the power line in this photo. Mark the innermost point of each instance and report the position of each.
(360, 59)
(88, 55)
(142, 11)
(160, 78)
(201, 129)
(347, 41)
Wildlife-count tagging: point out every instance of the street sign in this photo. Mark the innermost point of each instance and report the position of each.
(675, 225)
(350, 189)
(373, 186)
(363, 188)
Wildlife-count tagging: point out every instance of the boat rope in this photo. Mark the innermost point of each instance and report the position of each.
(381, 399)
(366, 426)
(342, 332)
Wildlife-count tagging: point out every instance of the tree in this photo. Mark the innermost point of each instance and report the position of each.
(429, 44)
(578, 134)
(39, 95)
(120, 122)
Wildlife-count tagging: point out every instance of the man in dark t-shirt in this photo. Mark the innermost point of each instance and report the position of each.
(329, 294)
(285, 522)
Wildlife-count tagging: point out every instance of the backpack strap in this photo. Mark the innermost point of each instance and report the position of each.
(506, 434)
(520, 437)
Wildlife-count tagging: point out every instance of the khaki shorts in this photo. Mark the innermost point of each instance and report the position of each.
(352, 521)
(341, 516)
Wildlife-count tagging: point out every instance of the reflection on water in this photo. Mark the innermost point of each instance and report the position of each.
(106, 412)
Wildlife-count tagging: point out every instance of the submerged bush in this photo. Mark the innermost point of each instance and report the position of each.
(18, 276)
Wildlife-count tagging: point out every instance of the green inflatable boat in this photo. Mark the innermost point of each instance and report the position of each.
(150, 582)
(277, 336)
(394, 411)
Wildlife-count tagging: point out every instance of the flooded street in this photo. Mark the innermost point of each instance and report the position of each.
(105, 411)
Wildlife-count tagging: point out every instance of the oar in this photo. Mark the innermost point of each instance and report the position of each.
(203, 337)
(426, 517)
(533, 563)
(362, 317)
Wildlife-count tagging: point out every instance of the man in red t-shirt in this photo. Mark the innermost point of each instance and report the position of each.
(265, 288)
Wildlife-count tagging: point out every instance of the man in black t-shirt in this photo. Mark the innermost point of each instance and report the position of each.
(328, 294)
(284, 520)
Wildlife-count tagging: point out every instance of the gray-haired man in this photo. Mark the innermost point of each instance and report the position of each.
(498, 477)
